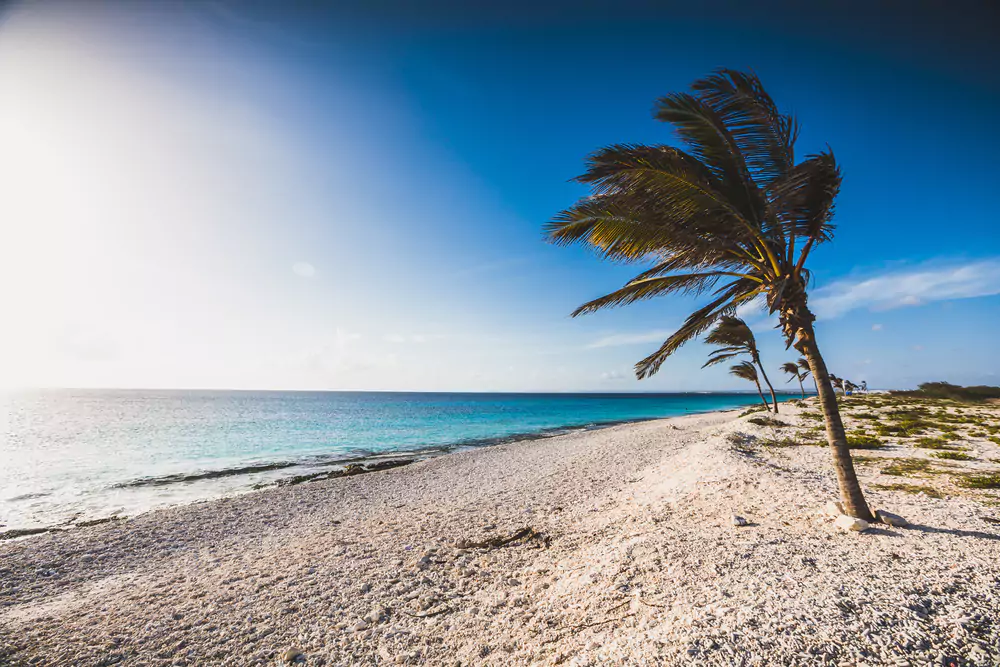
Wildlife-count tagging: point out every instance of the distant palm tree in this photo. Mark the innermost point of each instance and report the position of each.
(733, 338)
(735, 217)
(803, 365)
(748, 371)
(793, 369)
(864, 386)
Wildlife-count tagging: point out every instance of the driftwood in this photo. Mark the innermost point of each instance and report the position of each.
(526, 534)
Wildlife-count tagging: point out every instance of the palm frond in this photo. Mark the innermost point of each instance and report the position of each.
(638, 290)
(744, 370)
(766, 138)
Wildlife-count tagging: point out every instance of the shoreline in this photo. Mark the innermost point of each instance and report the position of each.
(308, 468)
(606, 547)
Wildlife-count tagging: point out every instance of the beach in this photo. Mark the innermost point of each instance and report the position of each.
(615, 546)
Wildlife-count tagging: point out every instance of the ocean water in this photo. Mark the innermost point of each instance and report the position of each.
(74, 455)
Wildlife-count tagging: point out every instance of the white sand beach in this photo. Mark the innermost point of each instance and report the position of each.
(633, 558)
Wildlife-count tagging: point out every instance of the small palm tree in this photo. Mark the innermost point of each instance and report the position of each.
(733, 338)
(734, 217)
(803, 365)
(748, 371)
(791, 368)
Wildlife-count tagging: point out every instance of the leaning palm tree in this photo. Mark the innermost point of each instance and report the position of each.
(748, 371)
(803, 365)
(792, 369)
(733, 337)
(733, 216)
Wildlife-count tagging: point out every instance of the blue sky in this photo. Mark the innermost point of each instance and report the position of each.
(206, 195)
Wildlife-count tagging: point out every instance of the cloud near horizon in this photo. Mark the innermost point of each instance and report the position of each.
(910, 287)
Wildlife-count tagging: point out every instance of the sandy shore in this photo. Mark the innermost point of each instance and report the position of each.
(633, 559)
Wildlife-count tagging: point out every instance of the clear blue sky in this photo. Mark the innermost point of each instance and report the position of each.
(211, 195)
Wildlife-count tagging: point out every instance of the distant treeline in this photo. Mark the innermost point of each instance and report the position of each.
(952, 391)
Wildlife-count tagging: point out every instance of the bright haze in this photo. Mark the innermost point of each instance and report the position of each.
(235, 195)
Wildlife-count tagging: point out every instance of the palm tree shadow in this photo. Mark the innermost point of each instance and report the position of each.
(958, 532)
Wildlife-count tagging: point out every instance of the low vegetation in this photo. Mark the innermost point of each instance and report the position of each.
(909, 488)
(987, 481)
(953, 456)
(767, 421)
(951, 392)
(864, 442)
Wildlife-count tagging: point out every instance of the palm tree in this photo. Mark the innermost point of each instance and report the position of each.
(734, 216)
(864, 386)
(733, 338)
(748, 371)
(793, 369)
(803, 365)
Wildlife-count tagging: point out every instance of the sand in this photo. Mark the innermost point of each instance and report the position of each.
(633, 559)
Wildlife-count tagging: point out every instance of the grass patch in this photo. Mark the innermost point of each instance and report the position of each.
(994, 439)
(953, 456)
(865, 415)
(767, 421)
(905, 467)
(909, 488)
(815, 416)
(753, 409)
(987, 481)
(935, 443)
(864, 442)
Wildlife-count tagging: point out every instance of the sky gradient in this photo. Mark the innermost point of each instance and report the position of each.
(236, 195)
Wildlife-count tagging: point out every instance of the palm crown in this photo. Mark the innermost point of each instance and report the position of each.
(733, 338)
(732, 216)
(744, 370)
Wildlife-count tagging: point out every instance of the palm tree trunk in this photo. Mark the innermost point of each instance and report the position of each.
(774, 399)
(801, 388)
(850, 489)
(766, 404)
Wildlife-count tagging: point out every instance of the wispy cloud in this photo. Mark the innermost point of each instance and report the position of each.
(909, 287)
(304, 269)
(412, 338)
(617, 340)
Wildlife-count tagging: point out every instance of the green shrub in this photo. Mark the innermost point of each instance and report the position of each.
(987, 481)
(904, 467)
(864, 442)
(909, 488)
(953, 456)
(935, 443)
(944, 390)
(753, 409)
(767, 421)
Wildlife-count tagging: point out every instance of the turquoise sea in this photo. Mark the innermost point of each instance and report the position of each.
(72, 455)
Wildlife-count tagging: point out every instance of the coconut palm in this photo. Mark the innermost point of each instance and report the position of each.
(803, 365)
(733, 337)
(748, 371)
(734, 217)
(791, 368)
